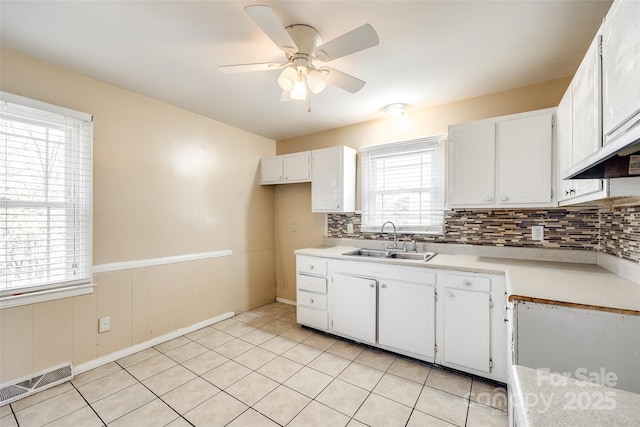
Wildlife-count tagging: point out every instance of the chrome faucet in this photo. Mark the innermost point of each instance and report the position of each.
(395, 234)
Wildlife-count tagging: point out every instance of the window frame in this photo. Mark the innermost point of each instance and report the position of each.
(76, 202)
(369, 154)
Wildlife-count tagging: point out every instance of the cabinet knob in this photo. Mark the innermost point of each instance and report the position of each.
(311, 267)
(337, 206)
(311, 301)
(566, 192)
(488, 199)
(504, 198)
(384, 285)
(572, 191)
(286, 177)
(372, 285)
(467, 283)
(450, 294)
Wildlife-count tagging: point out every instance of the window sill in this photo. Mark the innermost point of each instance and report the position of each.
(46, 295)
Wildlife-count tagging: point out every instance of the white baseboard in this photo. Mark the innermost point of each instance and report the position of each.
(78, 369)
(285, 301)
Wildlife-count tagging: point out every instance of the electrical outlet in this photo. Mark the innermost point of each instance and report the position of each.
(104, 324)
(350, 228)
(537, 232)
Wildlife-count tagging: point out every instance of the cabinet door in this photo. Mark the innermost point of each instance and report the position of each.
(352, 305)
(564, 143)
(466, 335)
(327, 184)
(271, 170)
(621, 65)
(524, 160)
(472, 164)
(587, 126)
(406, 317)
(297, 167)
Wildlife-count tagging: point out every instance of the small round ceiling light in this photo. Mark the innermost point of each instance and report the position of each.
(395, 110)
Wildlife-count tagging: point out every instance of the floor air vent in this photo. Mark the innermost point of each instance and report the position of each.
(25, 387)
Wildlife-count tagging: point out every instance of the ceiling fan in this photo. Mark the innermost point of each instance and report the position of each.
(302, 46)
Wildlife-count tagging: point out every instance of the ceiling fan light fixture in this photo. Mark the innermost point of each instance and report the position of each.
(316, 81)
(288, 78)
(299, 91)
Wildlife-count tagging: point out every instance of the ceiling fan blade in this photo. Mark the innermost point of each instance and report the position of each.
(342, 80)
(243, 68)
(359, 39)
(267, 20)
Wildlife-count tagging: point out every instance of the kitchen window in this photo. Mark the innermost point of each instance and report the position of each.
(45, 198)
(403, 182)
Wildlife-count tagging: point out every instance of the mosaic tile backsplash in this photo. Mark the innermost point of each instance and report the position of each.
(612, 230)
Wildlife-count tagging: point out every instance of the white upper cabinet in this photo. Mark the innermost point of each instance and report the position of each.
(525, 156)
(621, 68)
(586, 114)
(502, 162)
(333, 180)
(579, 129)
(286, 169)
(472, 163)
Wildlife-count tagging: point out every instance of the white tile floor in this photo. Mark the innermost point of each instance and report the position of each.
(261, 369)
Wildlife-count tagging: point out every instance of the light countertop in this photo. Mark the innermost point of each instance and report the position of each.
(544, 399)
(575, 284)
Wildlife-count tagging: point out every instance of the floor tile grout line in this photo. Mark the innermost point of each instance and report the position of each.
(157, 397)
(88, 404)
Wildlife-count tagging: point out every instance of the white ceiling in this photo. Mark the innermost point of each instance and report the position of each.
(430, 52)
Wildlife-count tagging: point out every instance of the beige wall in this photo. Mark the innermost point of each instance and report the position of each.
(293, 203)
(166, 182)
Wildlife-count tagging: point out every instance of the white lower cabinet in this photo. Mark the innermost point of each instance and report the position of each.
(406, 319)
(311, 293)
(471, 323)
(353, 307)
(444, 317)
(466, 338)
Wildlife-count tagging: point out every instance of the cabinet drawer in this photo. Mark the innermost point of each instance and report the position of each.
(312, 265)
(312, 317)
(308, 299)
(459, 281)
(312, 283)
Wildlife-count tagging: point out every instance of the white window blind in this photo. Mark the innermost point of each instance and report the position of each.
(45, 196)
(403, 182)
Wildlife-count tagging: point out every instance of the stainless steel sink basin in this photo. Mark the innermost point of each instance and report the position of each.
(382, 253)
(416, 256)
(375, 253)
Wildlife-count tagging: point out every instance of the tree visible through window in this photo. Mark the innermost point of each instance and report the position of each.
(45, 196)
(403, 182)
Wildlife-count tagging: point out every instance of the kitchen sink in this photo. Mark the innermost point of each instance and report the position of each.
(375, 253)
(382, 253)
(416, 256)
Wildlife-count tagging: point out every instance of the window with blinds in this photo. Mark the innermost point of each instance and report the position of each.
(403, 182)
(45, 196)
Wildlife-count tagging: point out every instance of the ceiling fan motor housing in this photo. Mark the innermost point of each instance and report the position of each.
(306, 38)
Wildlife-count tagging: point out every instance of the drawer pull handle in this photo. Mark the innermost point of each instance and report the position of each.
(467, 283)
(450, 294)
(311, 300)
